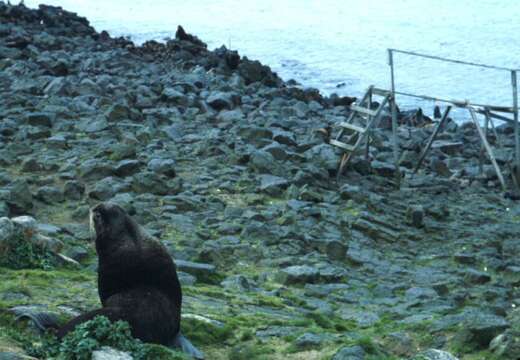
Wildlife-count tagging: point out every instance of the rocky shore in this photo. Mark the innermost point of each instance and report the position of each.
(218, 157)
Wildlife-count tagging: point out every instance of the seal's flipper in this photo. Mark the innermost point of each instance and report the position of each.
(180, 342)
(112, 313)
(41, 319)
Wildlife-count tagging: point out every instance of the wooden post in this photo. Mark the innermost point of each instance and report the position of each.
(369, 106)
(394, 118)
(432, 138)
(488, 148)
(515, 117)
(482, 149)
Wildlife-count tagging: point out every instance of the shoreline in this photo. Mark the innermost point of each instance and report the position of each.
(218, 157)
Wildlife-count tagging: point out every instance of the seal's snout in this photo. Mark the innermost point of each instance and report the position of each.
(95, 220)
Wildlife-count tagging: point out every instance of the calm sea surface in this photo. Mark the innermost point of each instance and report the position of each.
(340, 45)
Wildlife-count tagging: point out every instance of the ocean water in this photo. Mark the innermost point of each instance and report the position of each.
(341, 45)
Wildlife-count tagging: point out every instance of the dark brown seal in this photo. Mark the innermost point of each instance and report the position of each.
(137, 278)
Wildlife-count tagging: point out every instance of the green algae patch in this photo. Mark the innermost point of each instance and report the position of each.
(203, 333)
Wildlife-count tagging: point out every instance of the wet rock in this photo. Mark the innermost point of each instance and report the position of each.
(256, 135)
(27, 223)
(50, 194)
(231, 116)
(415, 215)
(350, 353)
(106, 188)
(34, 133)
(123, 151)
(182, 35)
(39, 119)
(200, 270)
(275, 331)
(126, 168)
(264, 163)
(448, 147)
(57, 142)
(253, 71)
(409, 159)
(382, 168)
(117, 112)
(308, 341)
(73, 190)
(440, 167)
(220, 100)
(10, 355)
(273, 185)
(4, 209)
(376, 230)
(480, 328)
(362, 318)
(237, 283)
(108, 353)
(354, 192)
(186, 202)
(31, 165)
(284, 137)
(77, 253)
(18, 197)
(506, 345)
(94, 169)
(400, 343)
(417, 293)
(333, 248)
(298, 274)
(434, 354)
(231, 58)
(150, 182)
(324, 156)
(174, 96)
(278, 151)
(6, 229)
(162, 166)
(186, 279)
(472, 276)
(59, 86)
(465, 258)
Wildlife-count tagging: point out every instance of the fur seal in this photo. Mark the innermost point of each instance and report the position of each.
(137, 281)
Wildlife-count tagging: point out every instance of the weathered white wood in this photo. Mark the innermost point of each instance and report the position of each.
(342, 145)
(488, 148)
(394, 118)
(380, 92)
(363, 110)
(432, 138)
(515, 116)
(352, 127)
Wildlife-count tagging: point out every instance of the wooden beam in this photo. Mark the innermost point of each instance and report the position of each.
(432, 138)
(488, 148)
(395, 142)
(515, 116)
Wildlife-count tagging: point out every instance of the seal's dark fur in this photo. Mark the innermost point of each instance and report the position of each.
(137, 279)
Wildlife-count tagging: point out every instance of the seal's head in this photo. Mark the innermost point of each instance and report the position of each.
(110, 223)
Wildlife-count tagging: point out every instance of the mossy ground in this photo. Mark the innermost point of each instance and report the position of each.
(234, 336)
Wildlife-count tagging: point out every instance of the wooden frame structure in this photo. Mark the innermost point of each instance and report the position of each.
(489, 111)
(359, 124)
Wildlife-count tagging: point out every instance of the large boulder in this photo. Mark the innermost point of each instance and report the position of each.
(323, 155)
(434, 354)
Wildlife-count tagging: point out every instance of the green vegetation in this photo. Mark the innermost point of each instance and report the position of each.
(250, 352)
(205, 333)
(96, 333)
(19, 253)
